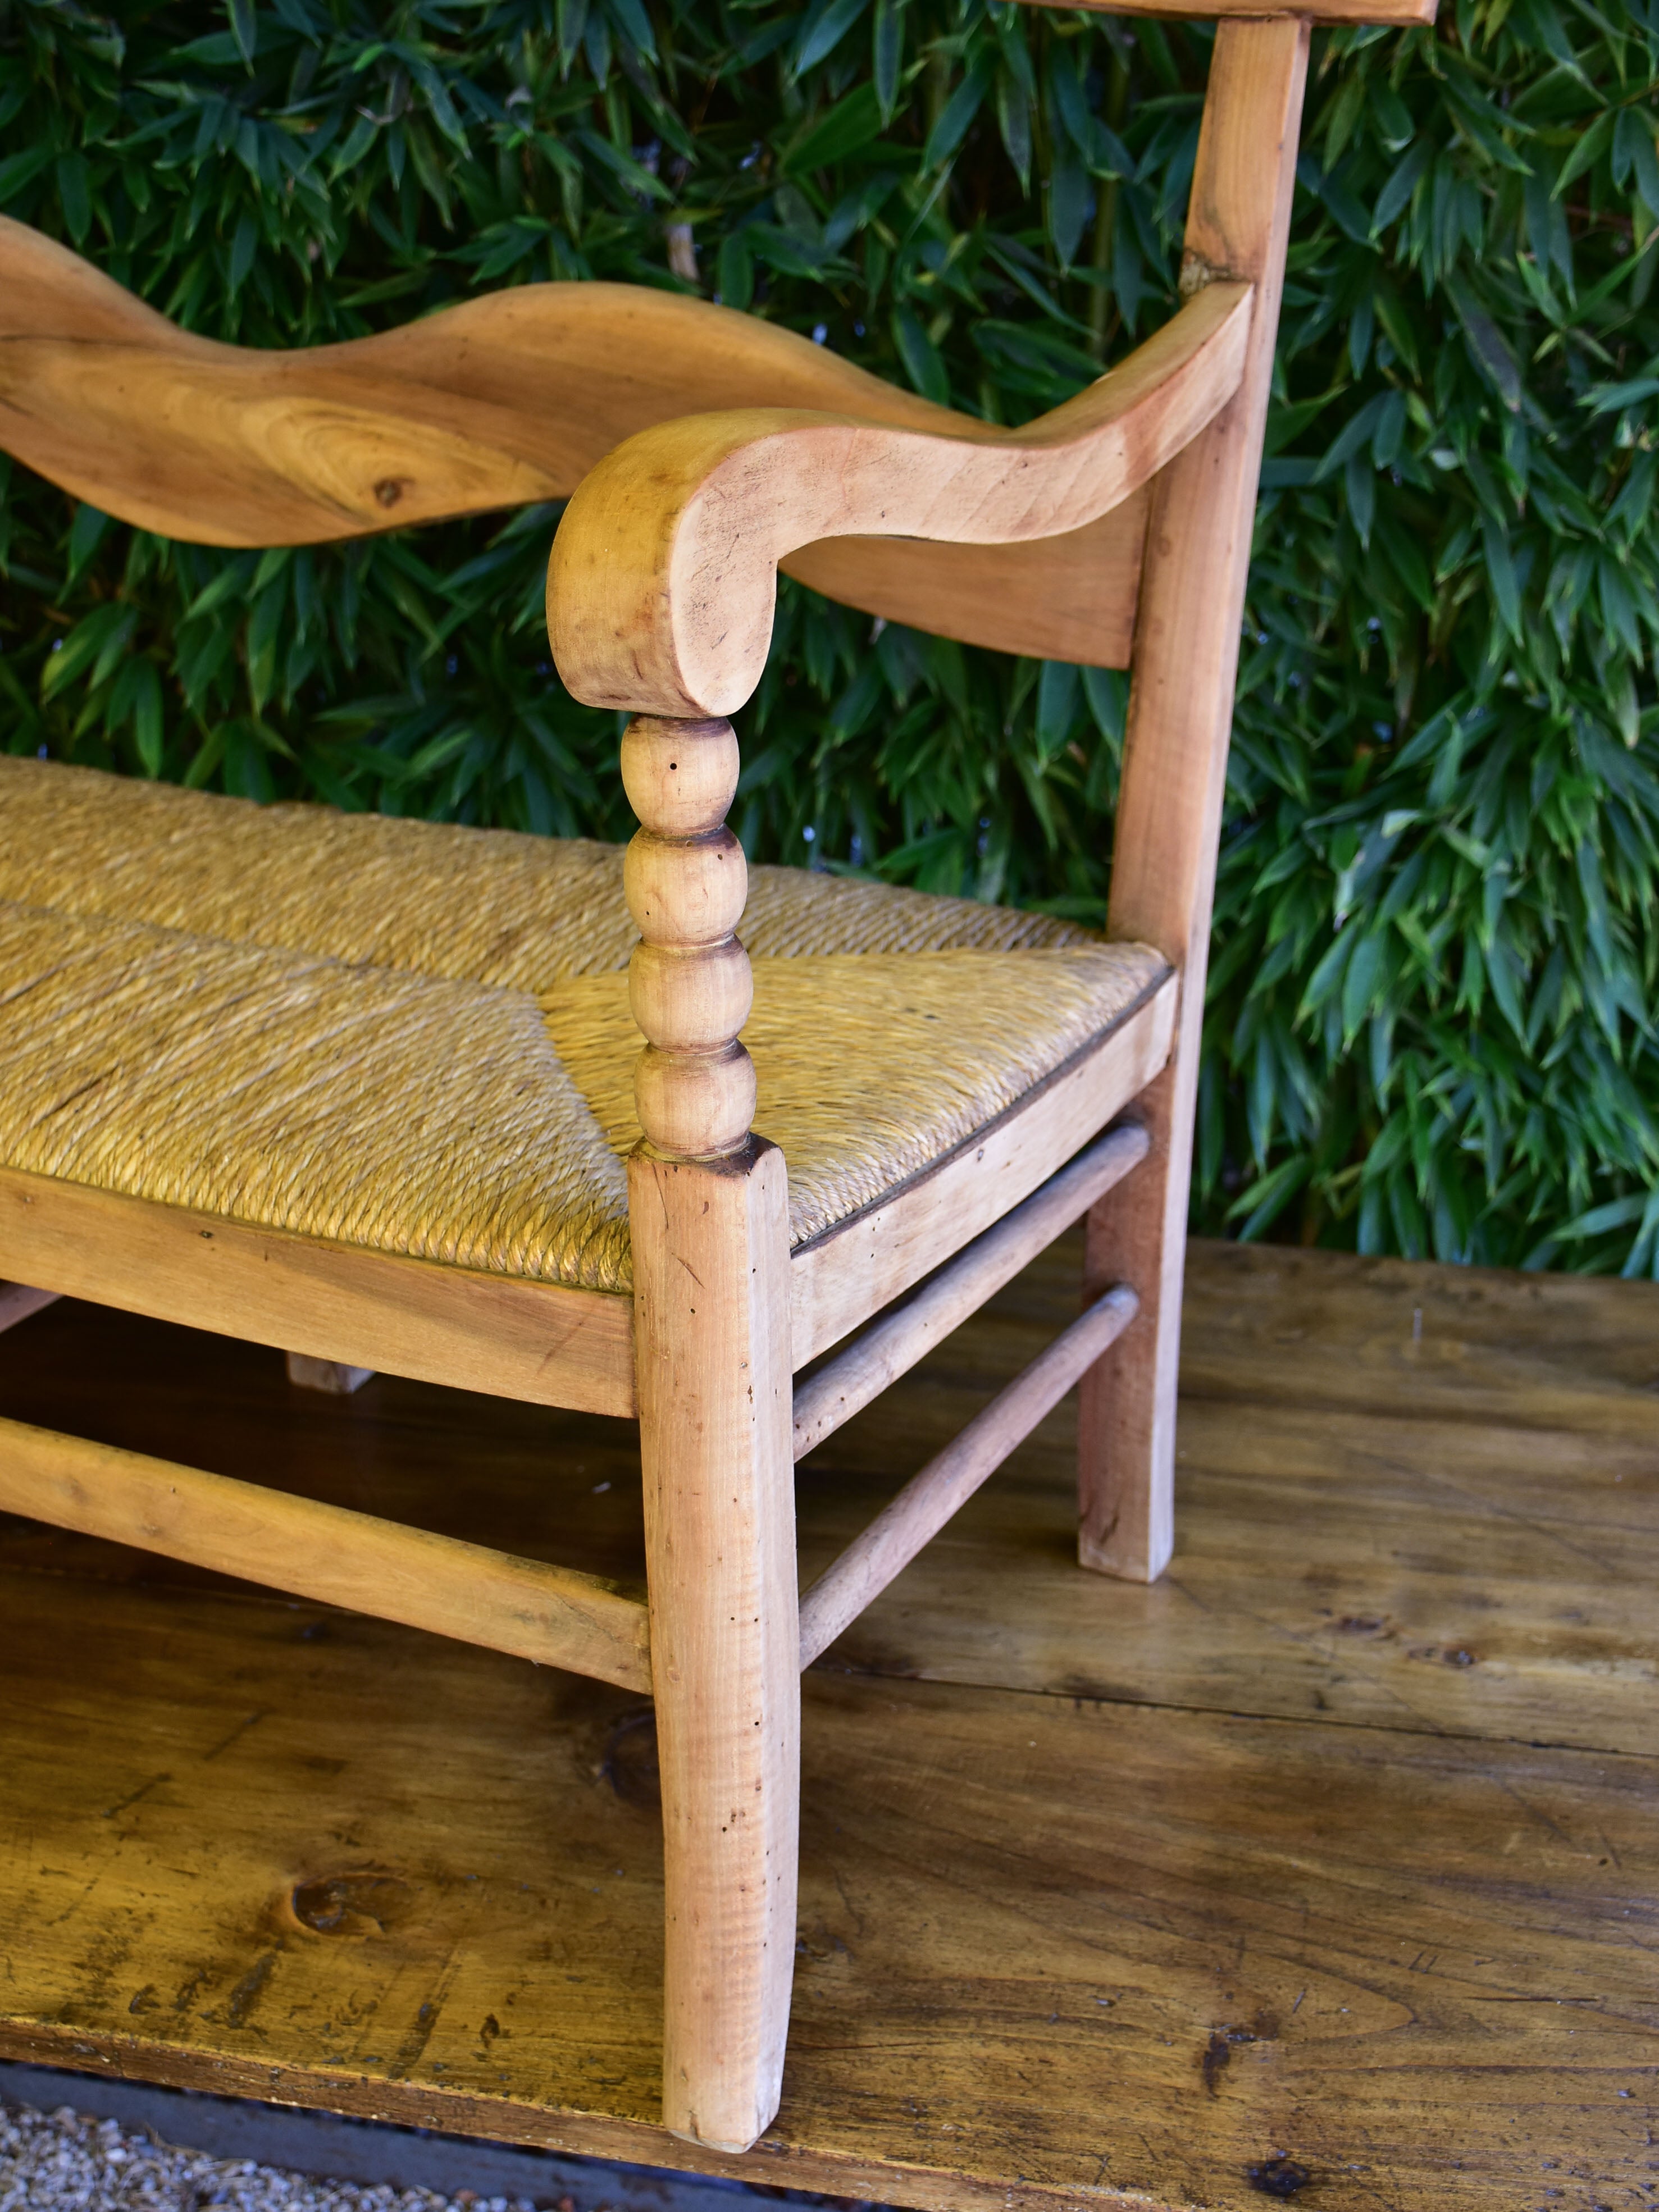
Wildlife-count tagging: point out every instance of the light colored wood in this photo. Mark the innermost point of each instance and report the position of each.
(893, 1345)
(929, 1499)
(839, 1279)
(510, 1337)
(331, 1377)
(1175, 765)
(688, 980)
(680, 776)
(686, 891)
(1071, 598)
(661, 588)
(550, 1614)
(515, 396)
(694, 998)
(18, 1302)
(711, 1258)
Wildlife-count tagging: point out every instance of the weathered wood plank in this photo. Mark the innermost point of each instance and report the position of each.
(1365, 1552)
(1265, 1799)
(1372, 1554)
(1079, 1953)
(1573, 1353)
(1355, 1543)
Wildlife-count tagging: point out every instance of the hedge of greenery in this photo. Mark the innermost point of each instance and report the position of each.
(1434, 986)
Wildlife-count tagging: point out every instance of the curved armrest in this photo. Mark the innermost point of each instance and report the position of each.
(664, 576)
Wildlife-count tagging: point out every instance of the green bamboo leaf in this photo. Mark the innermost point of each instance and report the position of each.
(245, 28)
(1400, 186)
(87, 534)
(826, 23)
(850, 124)
(1014, 123)
(888, 54)
(923, 363)
(958, 111)
(75, 192)
(1268, 1197)
(1606, 398)
(1588, 150)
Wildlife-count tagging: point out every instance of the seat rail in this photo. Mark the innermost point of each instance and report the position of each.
(892, 1345)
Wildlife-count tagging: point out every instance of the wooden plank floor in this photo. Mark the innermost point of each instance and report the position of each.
(1335, 1855)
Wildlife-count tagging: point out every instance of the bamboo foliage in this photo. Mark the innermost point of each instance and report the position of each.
(1434, 978)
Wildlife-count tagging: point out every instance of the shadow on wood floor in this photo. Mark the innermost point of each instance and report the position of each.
(1331, 1863)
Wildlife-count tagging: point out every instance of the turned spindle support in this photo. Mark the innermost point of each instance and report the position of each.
(708, 1211)
(688, 983)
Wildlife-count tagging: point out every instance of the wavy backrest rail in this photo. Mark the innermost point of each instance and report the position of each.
(493, 403)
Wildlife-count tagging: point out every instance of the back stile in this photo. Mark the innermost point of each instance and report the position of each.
(1174, 768)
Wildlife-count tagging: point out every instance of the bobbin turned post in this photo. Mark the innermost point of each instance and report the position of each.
(708, 1205)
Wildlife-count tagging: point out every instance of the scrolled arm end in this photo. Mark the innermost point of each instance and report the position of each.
(662, 582)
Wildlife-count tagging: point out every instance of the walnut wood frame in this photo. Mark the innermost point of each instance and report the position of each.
(1117, 528)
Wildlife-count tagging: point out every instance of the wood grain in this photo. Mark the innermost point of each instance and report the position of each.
(689, 984)
(1411, 1496)
(514, 1338)
(662, 585)
(1053, 1952)
(1071, 598)
(711, 1270)
(1175, 767)
(839, 1279)
(552, 1615)
(510, 398)
(1454, 1531)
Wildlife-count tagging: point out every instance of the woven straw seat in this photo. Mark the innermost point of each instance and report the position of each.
(416, 1037)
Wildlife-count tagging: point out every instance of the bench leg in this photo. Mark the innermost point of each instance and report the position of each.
(711, 1258)
(1136, 1235)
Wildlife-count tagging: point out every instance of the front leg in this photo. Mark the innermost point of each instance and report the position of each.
(708, 1210)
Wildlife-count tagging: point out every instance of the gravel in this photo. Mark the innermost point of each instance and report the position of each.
(65, 2161)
